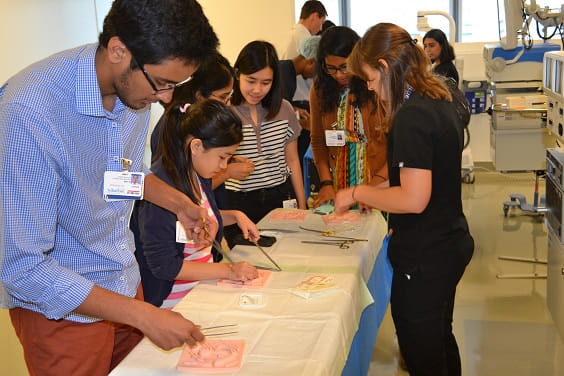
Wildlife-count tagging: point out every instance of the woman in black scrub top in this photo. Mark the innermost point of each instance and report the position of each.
(430, 244)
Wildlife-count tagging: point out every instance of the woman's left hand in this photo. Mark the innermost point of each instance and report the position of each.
(344, 200)
(243, 271)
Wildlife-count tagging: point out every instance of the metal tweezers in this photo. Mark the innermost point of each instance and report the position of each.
(225, 254)
(214, 331)
(279, 230)
(267, 256)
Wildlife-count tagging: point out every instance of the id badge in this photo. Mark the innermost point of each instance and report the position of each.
(290, 204)
(181, 234)
(334, 137)
(123, 185)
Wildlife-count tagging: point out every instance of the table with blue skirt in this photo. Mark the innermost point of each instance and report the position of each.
(331, 334)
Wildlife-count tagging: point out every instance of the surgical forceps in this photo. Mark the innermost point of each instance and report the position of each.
(219, 330)
(343, 244)
(225, 253)
(331, 234)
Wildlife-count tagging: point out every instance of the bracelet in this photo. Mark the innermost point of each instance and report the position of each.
(325, 182)
(352, 194)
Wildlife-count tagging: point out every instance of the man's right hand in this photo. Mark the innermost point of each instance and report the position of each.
(165, 328)
(168, 329)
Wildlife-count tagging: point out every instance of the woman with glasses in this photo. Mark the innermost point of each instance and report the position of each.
(347, 138)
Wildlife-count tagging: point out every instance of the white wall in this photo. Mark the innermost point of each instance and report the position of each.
(33, 29)
(38, 28)
(239, 22)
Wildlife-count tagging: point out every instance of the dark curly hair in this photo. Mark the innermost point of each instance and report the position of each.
(155, 30)
(337, 41)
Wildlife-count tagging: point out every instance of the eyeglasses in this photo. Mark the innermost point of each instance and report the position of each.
(333, 70)
(168, 86)
(223, 97)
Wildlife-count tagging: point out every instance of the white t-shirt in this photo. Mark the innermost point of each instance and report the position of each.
(292, 49)
(299, 32)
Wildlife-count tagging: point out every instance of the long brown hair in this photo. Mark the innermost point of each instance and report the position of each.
(406, 64)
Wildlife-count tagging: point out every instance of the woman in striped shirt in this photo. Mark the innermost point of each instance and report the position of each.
(197, 141)
(270, 132)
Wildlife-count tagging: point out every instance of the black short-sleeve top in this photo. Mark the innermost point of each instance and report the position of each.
(427, 134)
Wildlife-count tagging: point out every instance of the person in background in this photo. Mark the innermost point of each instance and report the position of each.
(326, 25)
(214, 79)
(69, 124)
(270, 132)
(430, 244)
(441, 54)
(303, 66)
(312, 16)
(196, 142)
(347, 137)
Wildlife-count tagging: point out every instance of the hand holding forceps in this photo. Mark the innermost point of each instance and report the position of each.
(225, 253)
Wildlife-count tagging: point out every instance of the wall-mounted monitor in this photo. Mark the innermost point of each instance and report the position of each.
(510, 21)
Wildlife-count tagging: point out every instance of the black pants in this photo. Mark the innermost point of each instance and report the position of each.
(422, 305)
(304, 138)
(255, 204)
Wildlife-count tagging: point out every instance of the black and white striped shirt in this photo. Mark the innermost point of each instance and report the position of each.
(265, 146)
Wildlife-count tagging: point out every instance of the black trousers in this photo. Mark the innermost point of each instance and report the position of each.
(304, 138)
(422, 305)
(255, 204)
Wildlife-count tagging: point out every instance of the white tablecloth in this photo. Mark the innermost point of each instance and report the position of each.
(290, 335)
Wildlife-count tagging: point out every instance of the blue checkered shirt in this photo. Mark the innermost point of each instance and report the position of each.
(58, 236)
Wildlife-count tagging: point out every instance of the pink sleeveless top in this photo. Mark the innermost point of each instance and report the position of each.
(181, 288)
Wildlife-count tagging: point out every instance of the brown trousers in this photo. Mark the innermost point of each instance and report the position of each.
(62, 347)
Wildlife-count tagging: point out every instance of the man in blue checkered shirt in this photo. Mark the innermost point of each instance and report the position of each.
(66, 254)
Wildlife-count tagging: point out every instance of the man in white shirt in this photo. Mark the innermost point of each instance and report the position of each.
(312, 16)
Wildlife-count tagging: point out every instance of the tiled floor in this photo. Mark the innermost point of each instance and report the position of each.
(502, 326)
